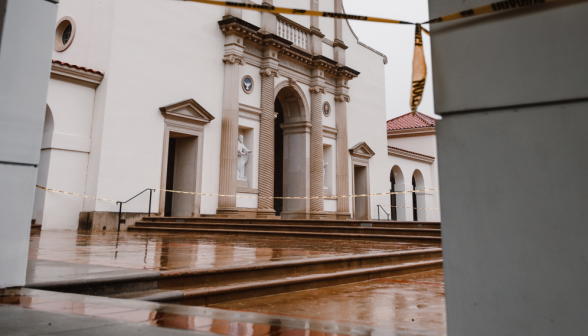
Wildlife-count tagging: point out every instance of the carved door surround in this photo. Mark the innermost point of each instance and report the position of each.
(361, 154)
(184, 119)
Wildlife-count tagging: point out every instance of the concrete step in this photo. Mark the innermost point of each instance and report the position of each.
(294, 228)
(311, 222)
(415, 239)
(178, 285)
(244, 290)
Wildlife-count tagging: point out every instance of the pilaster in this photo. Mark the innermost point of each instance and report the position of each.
(342, 179)
(269, 71)
(230, 124)
(269, 21)
(317, 89)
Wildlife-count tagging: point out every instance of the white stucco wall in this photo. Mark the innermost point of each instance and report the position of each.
(426, 144)
(366, 113)
(172, 51)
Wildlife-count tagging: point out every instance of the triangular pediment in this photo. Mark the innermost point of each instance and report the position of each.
(187, 110)
(362, 149)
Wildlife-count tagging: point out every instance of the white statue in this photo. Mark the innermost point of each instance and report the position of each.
(325, 164)
(242, 157)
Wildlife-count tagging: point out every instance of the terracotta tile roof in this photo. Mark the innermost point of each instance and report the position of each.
(407, 121)
(76, 67)
(407, 151)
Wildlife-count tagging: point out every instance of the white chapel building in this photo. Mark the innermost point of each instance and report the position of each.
(182, 96)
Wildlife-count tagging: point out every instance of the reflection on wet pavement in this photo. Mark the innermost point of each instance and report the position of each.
(414, 301)
(215, 321)
(168, 251)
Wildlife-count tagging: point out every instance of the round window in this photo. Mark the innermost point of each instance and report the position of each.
(64, 33)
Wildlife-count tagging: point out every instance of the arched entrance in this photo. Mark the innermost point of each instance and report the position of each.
(291, 151)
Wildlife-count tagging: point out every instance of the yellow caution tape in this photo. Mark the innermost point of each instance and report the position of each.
(74, 194)
(241, 196)
(491, 8)
(398, 206)
(282, 10)
(419, 71)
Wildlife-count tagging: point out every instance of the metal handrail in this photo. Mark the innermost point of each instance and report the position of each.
(387, 214)
(120, 203)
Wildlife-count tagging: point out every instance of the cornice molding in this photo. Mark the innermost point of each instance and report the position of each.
(236, 26)
(329, 132)
(188, 111)
(411, 132)
(76, 76)
(410, 155)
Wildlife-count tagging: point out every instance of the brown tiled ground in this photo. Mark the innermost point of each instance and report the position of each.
(172, 251)
(412, 302)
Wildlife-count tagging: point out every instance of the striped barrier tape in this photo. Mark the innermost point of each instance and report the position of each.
(241, 196)
(398, 206)
(419, 68)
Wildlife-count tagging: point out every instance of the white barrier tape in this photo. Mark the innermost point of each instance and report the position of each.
(398, 206)
(74, 194)
(241, 196)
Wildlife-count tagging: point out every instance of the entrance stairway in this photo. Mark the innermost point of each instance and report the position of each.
(404, 232)
(211, 286)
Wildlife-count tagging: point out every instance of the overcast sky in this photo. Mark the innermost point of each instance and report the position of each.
(397, 42)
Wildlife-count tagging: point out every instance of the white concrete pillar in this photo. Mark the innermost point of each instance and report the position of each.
(27, 33)
(512, 144)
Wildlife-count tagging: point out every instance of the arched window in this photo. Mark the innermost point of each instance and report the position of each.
(418, 198)
(397, 200)
(415, 215)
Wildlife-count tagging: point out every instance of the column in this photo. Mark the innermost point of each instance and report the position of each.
(316, 151)
(265, 204)
(26, 44)
(512, 150)
(342, 179)
(230, 125)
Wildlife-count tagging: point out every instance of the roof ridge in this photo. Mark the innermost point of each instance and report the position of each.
(421, 117)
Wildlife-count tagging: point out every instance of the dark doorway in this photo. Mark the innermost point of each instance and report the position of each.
(169, 181)
(278, 158)
(360, 187)
(414, 201)
(181, 175)
(392, 197)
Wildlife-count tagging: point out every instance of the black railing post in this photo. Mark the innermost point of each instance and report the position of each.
(119, 214)
(150, 192)
(378, 212)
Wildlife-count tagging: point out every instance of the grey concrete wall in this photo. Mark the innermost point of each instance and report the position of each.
(25, 63)
(513, 164)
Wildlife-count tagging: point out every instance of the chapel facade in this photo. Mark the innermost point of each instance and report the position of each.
(233, 106)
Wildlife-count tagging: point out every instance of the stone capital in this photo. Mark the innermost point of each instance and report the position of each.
(317, 89)
(342, 98)
(269, 72)
(234, 59)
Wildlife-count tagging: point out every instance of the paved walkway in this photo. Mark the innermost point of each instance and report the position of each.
(37, 312)
(379, 307)
(413, 302)
(82, 255)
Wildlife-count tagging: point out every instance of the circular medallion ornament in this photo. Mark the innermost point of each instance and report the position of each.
(326, 109)
(247, 84)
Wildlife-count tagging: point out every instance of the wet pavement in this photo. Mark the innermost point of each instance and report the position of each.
(37, 312)
(403, 305)
(168, 251)
(409, 302)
